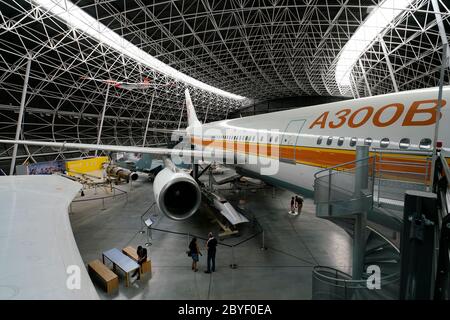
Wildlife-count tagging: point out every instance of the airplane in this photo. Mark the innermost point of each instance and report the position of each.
(287, 148)
(140, 163)
(129, 85)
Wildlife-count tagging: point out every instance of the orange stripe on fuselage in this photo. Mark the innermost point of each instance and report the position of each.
(319, 157)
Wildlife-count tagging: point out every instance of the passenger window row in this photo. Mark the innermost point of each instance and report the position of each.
(245, 138)
(405, 143)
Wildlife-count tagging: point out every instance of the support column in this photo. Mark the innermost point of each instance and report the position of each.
(181, 116)
(388, 62)
(194, 165)
(438, 118)
(356, 87)
(148, 120)
(195, 171)
(103, 118)
(19, 121)
(351, 90)
(442, 32)
(445, 64)
(418, 246)
(365, 77)
(210, 179)
(206, 114)
(359, 236)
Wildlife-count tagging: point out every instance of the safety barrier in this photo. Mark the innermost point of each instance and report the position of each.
(102, 198)
(254, 225)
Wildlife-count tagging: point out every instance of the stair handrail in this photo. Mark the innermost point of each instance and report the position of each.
(374, 152)
(341, 165)
(405, 151)
(384, 238)
(316, 270)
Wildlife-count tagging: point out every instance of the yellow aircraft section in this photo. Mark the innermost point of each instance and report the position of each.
(85, 166)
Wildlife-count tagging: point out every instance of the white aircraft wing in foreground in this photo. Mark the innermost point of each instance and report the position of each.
(37, 246)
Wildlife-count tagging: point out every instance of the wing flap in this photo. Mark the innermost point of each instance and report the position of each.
(232, 215)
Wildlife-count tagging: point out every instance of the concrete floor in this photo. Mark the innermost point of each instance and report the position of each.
(295, 244)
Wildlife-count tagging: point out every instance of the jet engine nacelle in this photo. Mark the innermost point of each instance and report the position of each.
(177, 194)
(121, 173)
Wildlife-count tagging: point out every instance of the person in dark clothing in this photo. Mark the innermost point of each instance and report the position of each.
(142, 257)
(211, 245)
(299, 204)
(194, 251)
(292, 205)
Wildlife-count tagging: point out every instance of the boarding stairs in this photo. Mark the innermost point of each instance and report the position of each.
(370, 189)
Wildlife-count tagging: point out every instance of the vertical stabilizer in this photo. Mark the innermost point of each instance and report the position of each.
(192, 116)
(145, 163)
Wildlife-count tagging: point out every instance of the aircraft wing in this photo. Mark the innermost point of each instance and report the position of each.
(38, 251)
(182, 154)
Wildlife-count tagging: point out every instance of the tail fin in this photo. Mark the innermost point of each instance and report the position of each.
(145, 163)
(192, 116)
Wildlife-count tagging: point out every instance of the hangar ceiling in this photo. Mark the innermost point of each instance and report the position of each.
(257, 49)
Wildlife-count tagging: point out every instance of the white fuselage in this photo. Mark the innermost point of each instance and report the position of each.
(309, 139)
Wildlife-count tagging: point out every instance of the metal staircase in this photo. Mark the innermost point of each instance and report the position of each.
(365, 198)
(329, 283)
